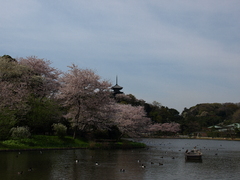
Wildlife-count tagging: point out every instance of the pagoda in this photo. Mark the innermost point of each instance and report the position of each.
(116, 89)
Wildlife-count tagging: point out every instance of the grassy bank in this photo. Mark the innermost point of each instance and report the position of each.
(54, 142)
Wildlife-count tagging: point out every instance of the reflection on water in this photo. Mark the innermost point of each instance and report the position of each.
(164, 159)
(193, 160)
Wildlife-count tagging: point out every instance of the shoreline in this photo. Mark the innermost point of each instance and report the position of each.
(42, 149)
(43, 143)
(194, 137)
(119, 147)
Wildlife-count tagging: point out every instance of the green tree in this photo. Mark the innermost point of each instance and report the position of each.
(236, 117)
(41, 115)
(7, 121)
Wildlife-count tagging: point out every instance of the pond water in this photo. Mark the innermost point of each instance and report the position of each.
(221, 160)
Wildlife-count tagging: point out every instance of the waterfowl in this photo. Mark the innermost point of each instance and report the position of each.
(122, 170)
(143, 166)
(20, 172)
(29, 169)
(96, 164)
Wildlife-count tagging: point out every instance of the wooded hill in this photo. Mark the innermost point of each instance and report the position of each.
(196, 118)
(201, 116)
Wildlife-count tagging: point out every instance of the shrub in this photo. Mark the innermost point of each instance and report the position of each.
(59, 129)
(20, 132)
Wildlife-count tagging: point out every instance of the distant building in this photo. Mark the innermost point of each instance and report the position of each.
(117, 89)
(230, 127)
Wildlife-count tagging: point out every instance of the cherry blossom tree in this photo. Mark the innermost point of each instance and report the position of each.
(42, 83)
(42, 78)
(171, 127)
(12, 96)
(27, 76)
(155, 127)
(131, 120)
(13, 90)
(165, 127)
(87, 99)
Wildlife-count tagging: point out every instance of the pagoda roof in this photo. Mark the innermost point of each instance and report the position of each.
(117, 87)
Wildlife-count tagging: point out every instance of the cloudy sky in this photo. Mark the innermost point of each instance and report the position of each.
(177, 52)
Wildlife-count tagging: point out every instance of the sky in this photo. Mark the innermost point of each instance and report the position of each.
(178, 53)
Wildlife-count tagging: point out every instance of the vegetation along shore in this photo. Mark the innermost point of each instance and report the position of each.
(43, 142)
(44, 108)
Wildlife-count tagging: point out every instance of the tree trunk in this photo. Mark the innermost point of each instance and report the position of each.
(77, 119)
(74, 132)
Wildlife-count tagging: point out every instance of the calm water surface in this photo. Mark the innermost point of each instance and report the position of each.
(221, 160)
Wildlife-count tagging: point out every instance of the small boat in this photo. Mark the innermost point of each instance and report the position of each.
(194, 154)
